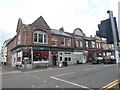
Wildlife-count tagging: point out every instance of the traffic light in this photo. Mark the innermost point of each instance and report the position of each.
(102, 29)
(105, 30)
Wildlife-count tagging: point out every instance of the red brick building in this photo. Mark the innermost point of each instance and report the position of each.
(37, 44)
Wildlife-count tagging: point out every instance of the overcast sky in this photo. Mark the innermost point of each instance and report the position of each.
(70, 14)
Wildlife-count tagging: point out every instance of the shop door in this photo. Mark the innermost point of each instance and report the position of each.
(54, 62)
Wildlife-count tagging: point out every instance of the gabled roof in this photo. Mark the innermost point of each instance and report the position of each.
(20, 23)
(40, 23)
(7, 41)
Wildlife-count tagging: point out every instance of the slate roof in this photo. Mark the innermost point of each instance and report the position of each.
(89, 38)
(53, 31)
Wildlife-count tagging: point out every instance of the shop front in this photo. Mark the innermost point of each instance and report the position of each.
(28, 57)
(33, 56)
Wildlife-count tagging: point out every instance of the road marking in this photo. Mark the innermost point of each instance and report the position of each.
(107, 65)
(64, 74)
(34, 76)
(57, 86)
(90, 69)
(110, 85)
(119, 70)
(75, 84)
(44, 81)
(32, 86)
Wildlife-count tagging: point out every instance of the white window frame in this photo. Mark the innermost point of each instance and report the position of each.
(77, 44)
(44, 34)
(93, 44)
(68, 41)
(81, 44)
(97, 45)
(63, 41)
(87, 44)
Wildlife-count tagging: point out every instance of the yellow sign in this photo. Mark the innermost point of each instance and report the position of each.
(54, 39)
(98, 39)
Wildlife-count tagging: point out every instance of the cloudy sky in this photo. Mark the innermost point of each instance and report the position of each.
(70, 14)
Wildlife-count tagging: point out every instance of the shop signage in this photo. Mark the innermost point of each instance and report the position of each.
(54, 39)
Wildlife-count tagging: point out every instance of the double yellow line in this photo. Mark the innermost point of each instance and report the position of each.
(119, 70)
(110, 85)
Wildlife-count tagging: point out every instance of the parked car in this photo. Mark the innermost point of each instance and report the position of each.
(109, 60)
(97, 60)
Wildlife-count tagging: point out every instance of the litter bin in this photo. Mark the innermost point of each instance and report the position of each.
(77, 62)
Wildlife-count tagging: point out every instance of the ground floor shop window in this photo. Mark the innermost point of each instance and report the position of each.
(40, 56)
(27, 58)
(67, 58)
(19, 55)
(37, 56)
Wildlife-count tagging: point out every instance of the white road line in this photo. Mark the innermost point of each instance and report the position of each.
(75, 84)
(90, 69)
(33, 76)
(106, 65)
(64, 74)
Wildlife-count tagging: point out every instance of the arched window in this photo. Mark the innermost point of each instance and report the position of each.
(40, 37)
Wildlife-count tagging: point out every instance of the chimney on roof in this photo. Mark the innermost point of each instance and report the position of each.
(61, 29)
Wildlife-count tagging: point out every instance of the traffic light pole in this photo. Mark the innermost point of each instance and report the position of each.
(114, 35)
(115, 42)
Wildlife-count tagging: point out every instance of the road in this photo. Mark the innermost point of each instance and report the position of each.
(76, 76)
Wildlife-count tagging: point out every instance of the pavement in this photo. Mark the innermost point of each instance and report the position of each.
(6, 69)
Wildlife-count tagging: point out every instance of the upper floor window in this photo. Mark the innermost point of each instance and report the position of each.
(35, 37)
(97, 45)
(93, 44)
(19, 38)
(77, 44)
(40, 37)
(86, 43)
(81, 44)
(111, 46)
(62, 41)
(68, 41)
(54, 41)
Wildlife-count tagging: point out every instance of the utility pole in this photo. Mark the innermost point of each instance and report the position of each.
(115, 42)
